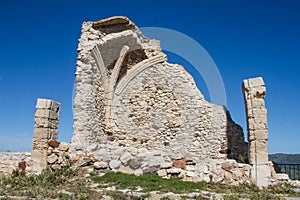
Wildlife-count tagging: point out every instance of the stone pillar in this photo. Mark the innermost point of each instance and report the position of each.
(254, 92)
(46, 129)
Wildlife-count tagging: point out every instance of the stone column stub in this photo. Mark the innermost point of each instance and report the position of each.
(254, 91)
(46, 128)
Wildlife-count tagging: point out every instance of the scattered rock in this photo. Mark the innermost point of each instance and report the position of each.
(114, 164)
(134, 163)
(53, 143)
(52, 158)
(229, 165)
(125, 170)
(227, 176)
(174, 171)
(237, 174)
(138, 172)
(162, 172)
(125, 158)
(150, 170)
(56, 167)
(22, 166)
(63, 146)
(190, 174)
(100, 165)
(282, 177)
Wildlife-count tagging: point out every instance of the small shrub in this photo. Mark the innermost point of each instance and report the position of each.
(243, 159)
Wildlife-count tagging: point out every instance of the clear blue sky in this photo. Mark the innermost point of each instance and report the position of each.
(38, 41)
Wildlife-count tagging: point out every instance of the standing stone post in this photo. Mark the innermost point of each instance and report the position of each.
(46, 129)
(254, 92)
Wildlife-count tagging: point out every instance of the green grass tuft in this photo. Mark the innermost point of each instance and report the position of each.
(49, 184)
(152, 182)
(149, 182)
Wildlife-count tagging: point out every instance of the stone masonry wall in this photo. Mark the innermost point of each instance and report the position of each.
(128, 95)
(9, 161)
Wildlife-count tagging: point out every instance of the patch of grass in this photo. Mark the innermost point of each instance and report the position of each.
(72, 184)
(149, 182)
(63, 184)
(121, 196)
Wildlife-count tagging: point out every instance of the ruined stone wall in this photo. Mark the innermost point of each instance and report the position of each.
(9, 161)
(128, 95)
(162, 108)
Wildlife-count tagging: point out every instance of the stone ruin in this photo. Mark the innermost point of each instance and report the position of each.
(141, 114)
(127, 94)
(136, 113)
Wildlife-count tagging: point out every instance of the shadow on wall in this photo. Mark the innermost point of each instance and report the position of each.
(237, 148)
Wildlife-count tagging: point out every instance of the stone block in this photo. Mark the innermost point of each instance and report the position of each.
(63, 146)
(162, 172)
(56, 167)
(190, 167)
(43, 104)
(261, 147)
(52, 158)
(174, 171)
(257, 103)
(53, 115)
(38, 166)
(138, 172)
(53, 134)
(55, 106)
(40, 155)
(40, 133)
(190, 174)
(166, 165)
(229, 165)
(282, 177)
(237, 174)
(125, 170)
(22, 166)
(180, 163)
(227, 176)
(125, 158)
(262, 158)
(100, 165)
(255, 125)
(114, 164)
(263, 174)
(261, 135)
(53, 143)
(245, 85)
(258, 136)
(42, 113)
(256, 82)
(135, 163)
(45, 123)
